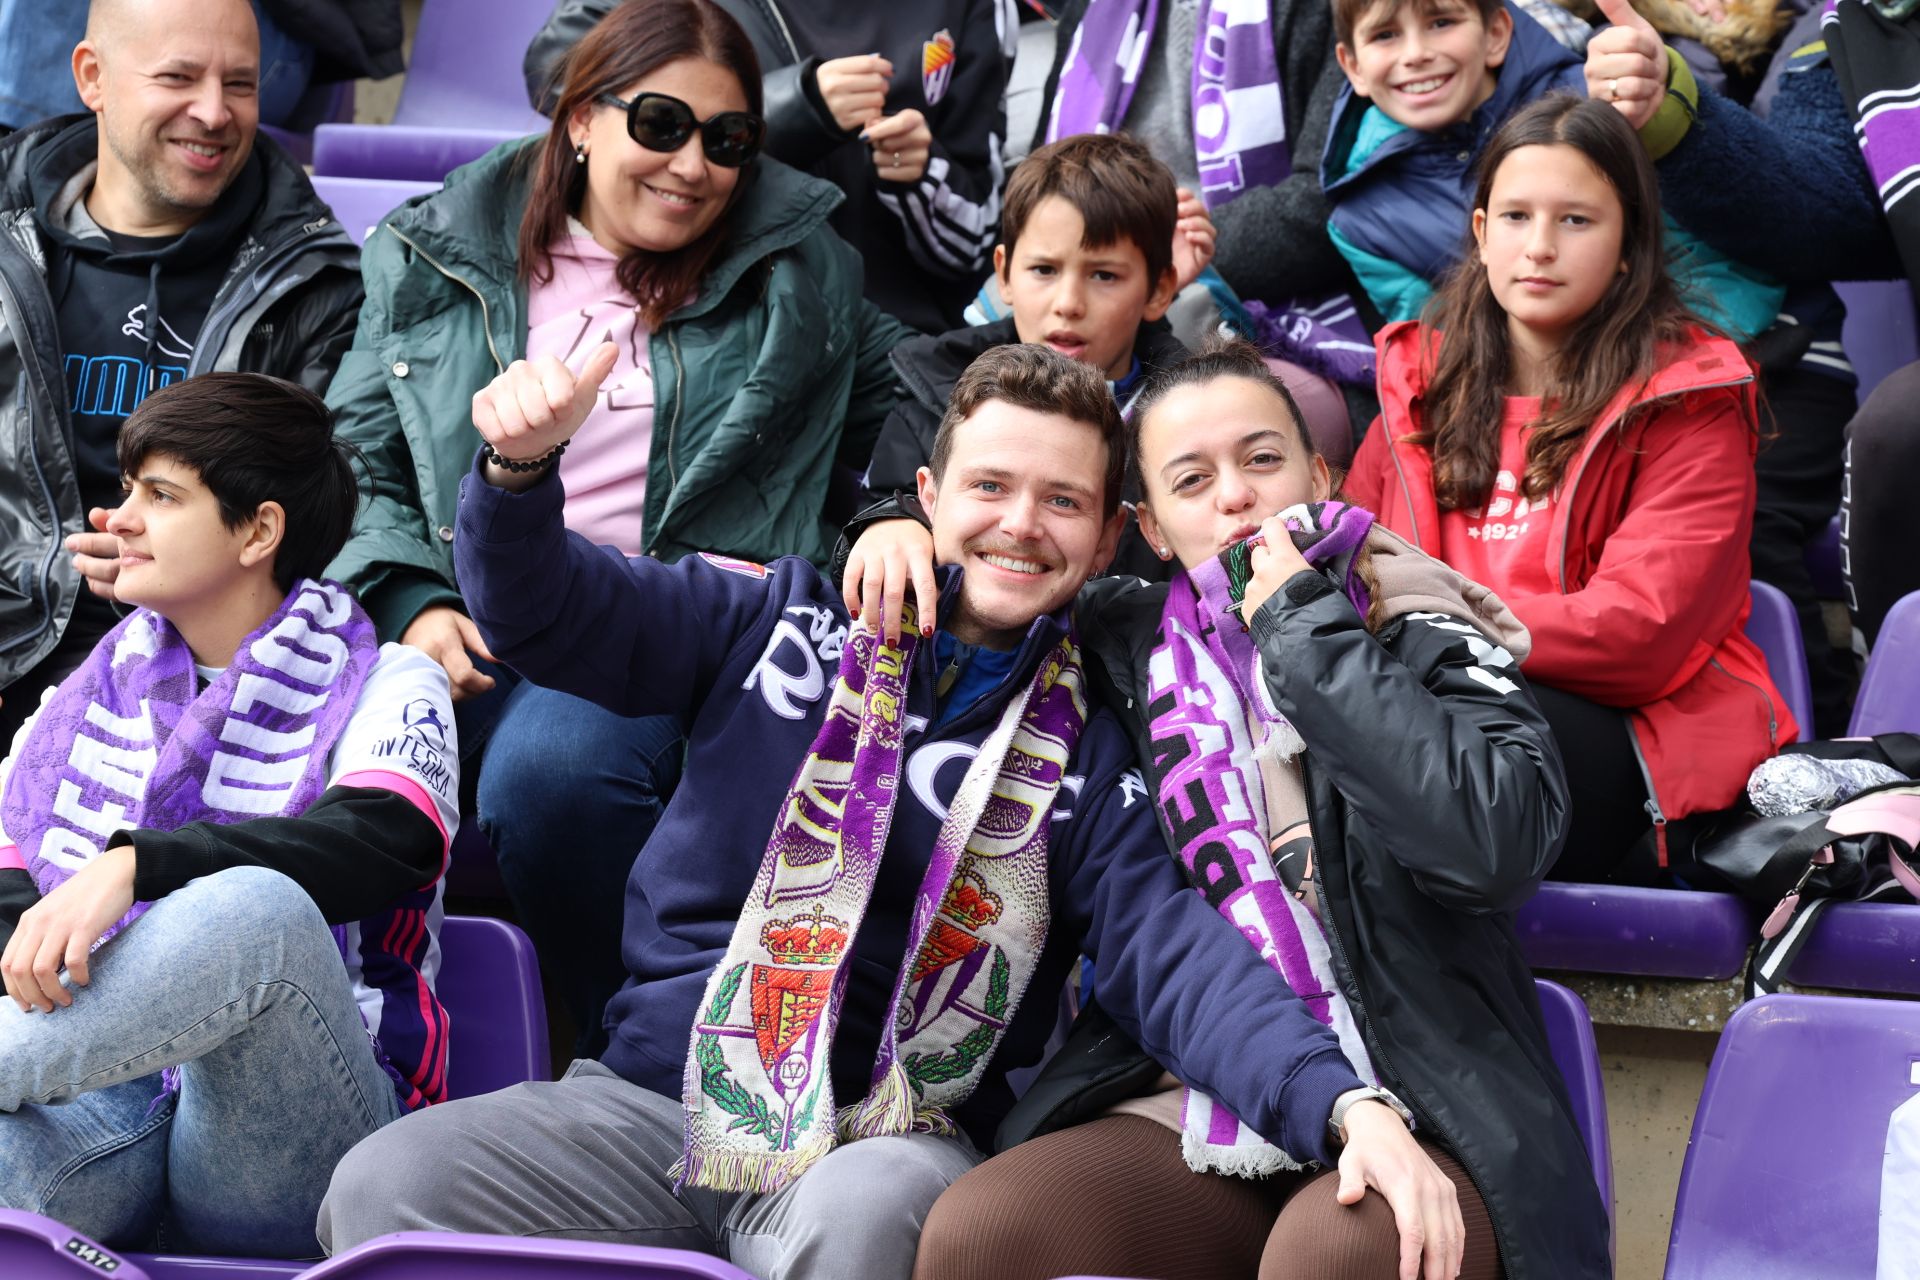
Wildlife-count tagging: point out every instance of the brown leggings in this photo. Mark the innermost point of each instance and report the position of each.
(1113, 1197)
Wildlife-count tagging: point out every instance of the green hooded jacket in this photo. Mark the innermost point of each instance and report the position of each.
(774, 367)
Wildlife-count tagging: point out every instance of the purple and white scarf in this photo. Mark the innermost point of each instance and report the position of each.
(126, 741)
(759, 1093)
(1876, 59)
(1218, 728)
(1239, 142)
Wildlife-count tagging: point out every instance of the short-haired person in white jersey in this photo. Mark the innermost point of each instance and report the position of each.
(221, 843)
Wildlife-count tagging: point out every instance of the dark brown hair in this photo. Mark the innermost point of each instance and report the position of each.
(1220, 358)
(637, 38)
(1120, 191)
(1613, 346)
(1038, 378)
(253, 439)
(1349, 14)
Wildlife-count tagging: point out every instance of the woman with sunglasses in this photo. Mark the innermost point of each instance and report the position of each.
(744, 363)
(902, 105)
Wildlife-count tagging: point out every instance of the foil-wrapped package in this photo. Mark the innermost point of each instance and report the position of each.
(1788, 785)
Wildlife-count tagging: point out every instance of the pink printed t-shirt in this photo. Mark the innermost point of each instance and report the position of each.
(605, 466)
(1503, 545)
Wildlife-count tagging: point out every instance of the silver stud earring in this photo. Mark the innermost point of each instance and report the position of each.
(1166, 553)
(580, 153)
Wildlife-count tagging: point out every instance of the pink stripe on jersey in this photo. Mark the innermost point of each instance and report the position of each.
(10, 858)
(408, 789)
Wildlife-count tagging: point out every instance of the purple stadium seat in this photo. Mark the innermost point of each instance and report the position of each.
(1775, 627)
(1889, 700)
(424, 1255)
(1665, 933)
(1570, 1036)
(1782, 1176)
(490, 985)
(402, 152)
(37, 1248)
(1862, 946)
(360, 203)
(1880, 333)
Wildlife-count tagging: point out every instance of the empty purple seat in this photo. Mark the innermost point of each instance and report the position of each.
(360, 203)
(1879, 335)
(402, 152)
(425, 1255)
(1889, 700)
(1782, 1176)
(1775, 627)
(464, 68)
(1664, 933)
(489, 984)
(1570, 1037)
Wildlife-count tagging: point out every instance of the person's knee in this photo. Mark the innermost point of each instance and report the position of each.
(1882, 431)
(1317, 1235)
(378, 1186)
(253, 902)
(971, 1233)
(879, 1190)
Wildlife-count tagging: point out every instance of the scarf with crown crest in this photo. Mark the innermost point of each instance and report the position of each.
(1214, 728)
(1239, 143)
(758, 1093)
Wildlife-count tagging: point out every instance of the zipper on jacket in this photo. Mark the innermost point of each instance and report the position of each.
(486, 317)
(1773, 721)
(29, 365)
(779, 20)
(1654, 812)
(230, 303)
(673, 429)
(1344, 973)
(1406, 491)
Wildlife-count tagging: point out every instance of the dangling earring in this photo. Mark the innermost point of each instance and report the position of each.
(579, 153)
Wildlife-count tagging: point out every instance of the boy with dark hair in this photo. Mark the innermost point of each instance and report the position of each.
(236, 767)
(1086, 266)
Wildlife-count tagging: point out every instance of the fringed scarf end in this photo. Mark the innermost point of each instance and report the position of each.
(887, 1108)
(1258, 1161)
(744, 1171)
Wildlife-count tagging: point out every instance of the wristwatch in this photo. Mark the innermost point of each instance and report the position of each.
(1337, 1122)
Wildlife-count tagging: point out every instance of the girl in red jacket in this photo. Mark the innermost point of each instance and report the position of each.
(1563, 429)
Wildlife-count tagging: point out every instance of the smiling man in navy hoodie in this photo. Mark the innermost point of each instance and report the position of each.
(779, 978)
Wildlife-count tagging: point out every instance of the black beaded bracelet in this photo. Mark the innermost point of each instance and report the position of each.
(540, 463)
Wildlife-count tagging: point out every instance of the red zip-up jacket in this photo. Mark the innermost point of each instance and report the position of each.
(1649, 549)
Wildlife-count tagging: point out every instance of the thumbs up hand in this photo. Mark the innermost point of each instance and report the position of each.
(537, 405)
(1627, 64)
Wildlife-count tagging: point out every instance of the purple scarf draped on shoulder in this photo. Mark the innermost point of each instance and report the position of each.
(126, 741)
(1217, 729)
(1239, 143)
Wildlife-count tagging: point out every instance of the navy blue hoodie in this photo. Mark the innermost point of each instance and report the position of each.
(744, 656)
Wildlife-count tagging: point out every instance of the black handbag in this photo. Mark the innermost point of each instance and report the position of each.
(1793, 866)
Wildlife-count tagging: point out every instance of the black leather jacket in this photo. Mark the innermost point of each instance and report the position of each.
(287, 306)
(1433, 819)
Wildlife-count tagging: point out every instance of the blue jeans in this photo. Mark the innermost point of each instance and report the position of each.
(236, 980)
(568, 794)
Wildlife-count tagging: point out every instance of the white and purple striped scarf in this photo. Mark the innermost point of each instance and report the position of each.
(126, 741)
(1215, 726)
(1239, 143)
(1877, 61)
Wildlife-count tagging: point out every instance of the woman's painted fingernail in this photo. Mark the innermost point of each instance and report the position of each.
(926, 629)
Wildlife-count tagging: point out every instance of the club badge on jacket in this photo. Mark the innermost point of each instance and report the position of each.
(936, 65)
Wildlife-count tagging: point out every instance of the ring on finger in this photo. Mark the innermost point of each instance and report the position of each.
(896, 160)
(1613, 91)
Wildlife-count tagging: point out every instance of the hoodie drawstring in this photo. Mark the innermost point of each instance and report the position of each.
(152, 326)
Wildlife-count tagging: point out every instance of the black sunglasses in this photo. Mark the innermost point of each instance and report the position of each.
(660, 122)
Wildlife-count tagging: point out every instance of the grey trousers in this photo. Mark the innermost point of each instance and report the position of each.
(586, 1158)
